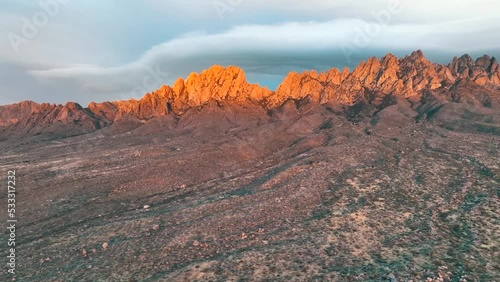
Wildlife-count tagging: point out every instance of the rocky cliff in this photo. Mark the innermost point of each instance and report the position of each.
(374, 79)
(411, 78)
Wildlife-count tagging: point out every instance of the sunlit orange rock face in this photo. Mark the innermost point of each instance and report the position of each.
(216, 83)
(370, 82)
(390, 75)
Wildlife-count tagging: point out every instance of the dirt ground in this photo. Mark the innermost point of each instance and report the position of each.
(228, 193)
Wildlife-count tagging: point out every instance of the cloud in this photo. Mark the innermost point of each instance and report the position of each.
(422, 11)
(93, 59)
(17, 85)
(259, 49)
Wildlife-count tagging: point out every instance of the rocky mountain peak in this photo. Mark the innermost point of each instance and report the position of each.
(73, 106)
(418, 56)
(389, 61)
(217, 83)
(483, 71)
(467, 58)
(484, 61)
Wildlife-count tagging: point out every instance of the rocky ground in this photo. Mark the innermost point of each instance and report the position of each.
(234, 193)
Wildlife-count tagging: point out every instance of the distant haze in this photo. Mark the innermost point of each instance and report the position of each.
(68, 50)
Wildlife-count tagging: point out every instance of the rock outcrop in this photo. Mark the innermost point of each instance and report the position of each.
(43, 115)
(484, 70)
(13, 114)
(370, 83)
(217, 83)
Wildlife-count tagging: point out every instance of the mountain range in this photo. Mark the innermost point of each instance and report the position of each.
(371, 87)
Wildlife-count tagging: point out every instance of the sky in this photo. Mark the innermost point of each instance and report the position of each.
(102, 50)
